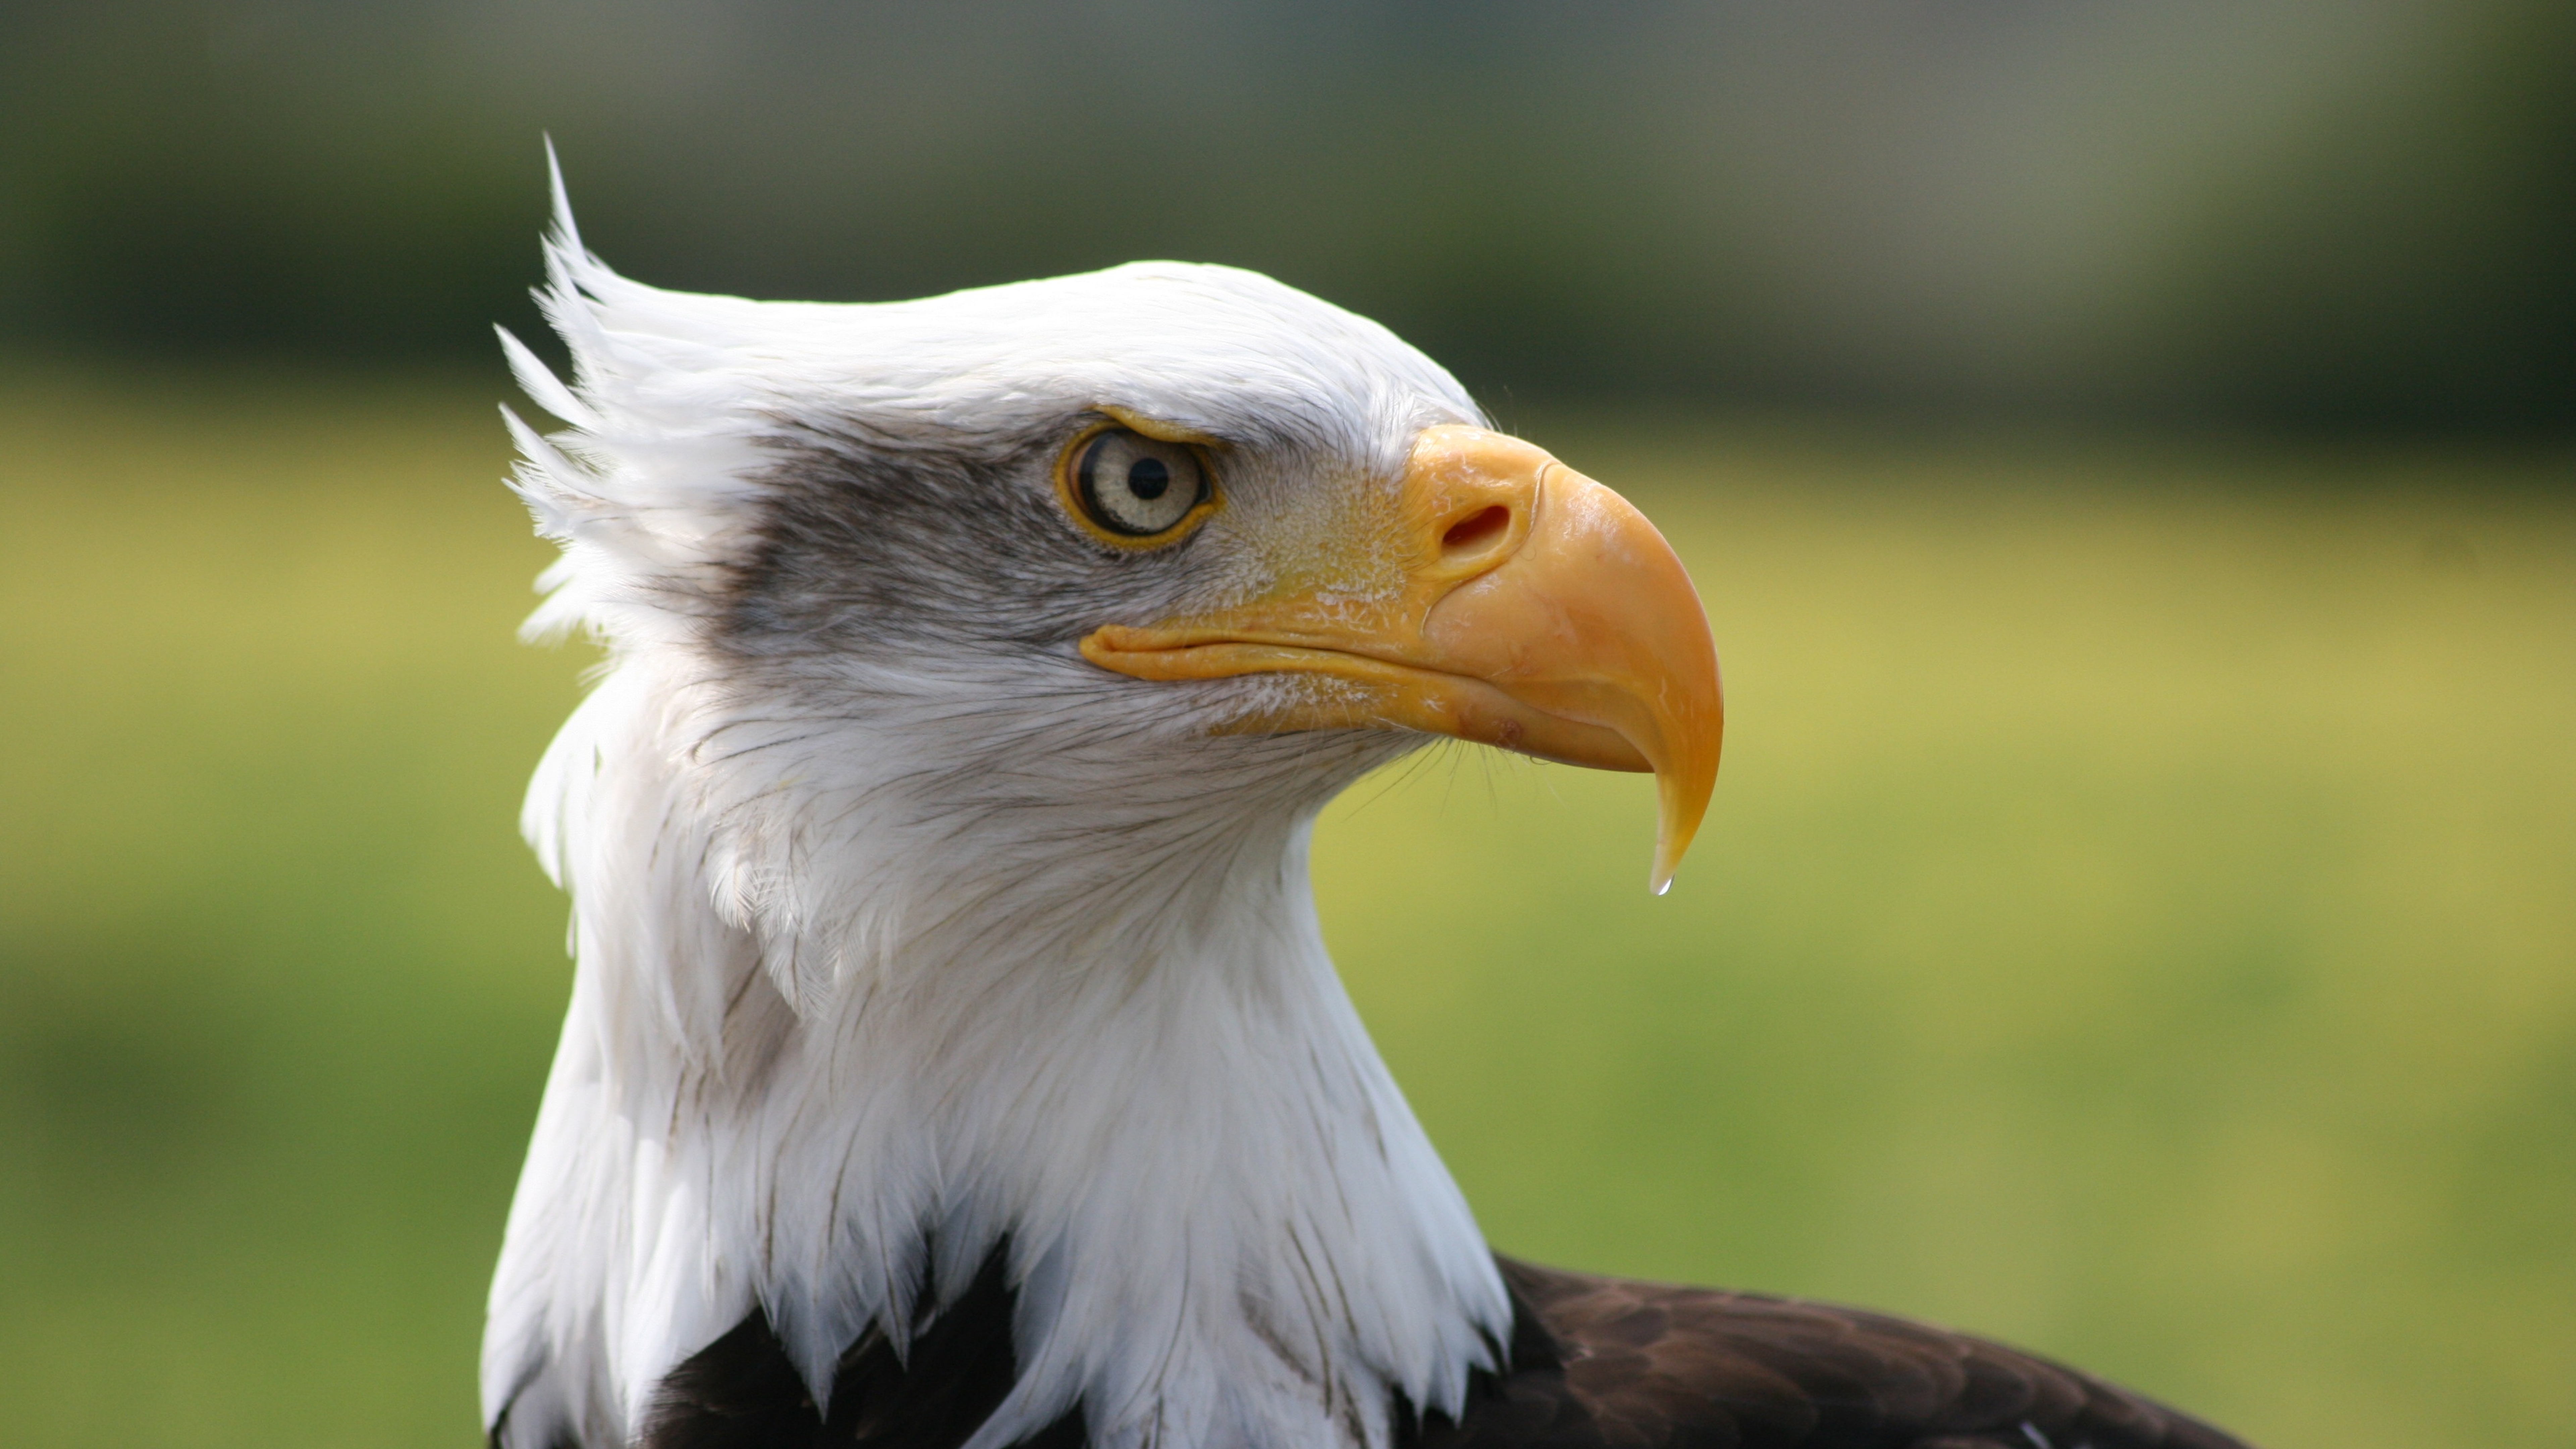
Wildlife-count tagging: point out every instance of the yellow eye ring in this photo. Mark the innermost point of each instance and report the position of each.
(1115, 510)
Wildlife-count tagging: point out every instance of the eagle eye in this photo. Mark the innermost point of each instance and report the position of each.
(1135, 488)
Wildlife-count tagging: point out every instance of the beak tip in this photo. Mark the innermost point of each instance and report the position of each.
(1681, 805)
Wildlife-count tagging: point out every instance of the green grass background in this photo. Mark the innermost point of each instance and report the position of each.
(2137, 918)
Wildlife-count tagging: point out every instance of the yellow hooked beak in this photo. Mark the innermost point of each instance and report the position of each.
(1528, 607)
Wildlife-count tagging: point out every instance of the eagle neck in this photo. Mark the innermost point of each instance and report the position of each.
(1223, 1219)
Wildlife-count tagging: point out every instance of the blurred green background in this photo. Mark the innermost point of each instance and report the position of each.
(2330, 214)
(2126, 452)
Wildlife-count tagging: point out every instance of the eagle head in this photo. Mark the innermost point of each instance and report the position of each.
(1119, 543)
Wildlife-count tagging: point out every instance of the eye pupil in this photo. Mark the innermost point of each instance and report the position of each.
(1148, 479)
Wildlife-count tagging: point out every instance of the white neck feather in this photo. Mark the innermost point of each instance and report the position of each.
(807, 1070)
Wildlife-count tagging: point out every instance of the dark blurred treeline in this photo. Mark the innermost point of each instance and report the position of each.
(2348, 214)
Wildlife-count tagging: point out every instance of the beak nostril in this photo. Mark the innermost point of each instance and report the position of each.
(1476, 530)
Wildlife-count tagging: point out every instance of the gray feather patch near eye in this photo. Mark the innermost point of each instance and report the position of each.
(869, 545)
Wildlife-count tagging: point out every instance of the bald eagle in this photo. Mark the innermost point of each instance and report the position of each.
(953, 1060)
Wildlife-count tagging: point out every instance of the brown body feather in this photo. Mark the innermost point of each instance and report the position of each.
(1609, 1363)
